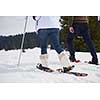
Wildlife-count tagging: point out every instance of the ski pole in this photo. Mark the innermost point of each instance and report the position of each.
(26, 20)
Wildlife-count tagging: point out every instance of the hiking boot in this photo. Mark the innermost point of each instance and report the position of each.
(91, 62)
(94, 61)
(72, 59)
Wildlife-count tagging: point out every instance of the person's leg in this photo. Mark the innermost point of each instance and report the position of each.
(70, 46)
(54, 38)
(63, 57)
(87, 39)
(43, 39)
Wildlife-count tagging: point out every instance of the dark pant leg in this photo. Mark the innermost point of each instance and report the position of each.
(43, 39)
(87, 39)
(54, 38)
(70, 45)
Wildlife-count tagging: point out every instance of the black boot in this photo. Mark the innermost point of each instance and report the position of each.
(72, 58)
(91, 62)
(94, 61)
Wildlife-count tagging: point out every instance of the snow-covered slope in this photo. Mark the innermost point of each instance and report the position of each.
(27, 72)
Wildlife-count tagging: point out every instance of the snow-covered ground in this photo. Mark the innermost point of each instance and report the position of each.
(27, 72)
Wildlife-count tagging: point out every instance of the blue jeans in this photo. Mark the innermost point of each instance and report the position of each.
(53, 35)
(83, 30)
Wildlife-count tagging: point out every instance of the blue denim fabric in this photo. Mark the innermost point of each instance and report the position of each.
(53, 35)
(83, 30)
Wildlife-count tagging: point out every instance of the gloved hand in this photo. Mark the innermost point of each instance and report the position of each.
(71, 29)
(34, 17)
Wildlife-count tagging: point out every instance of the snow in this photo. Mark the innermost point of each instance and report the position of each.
(27, 71)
